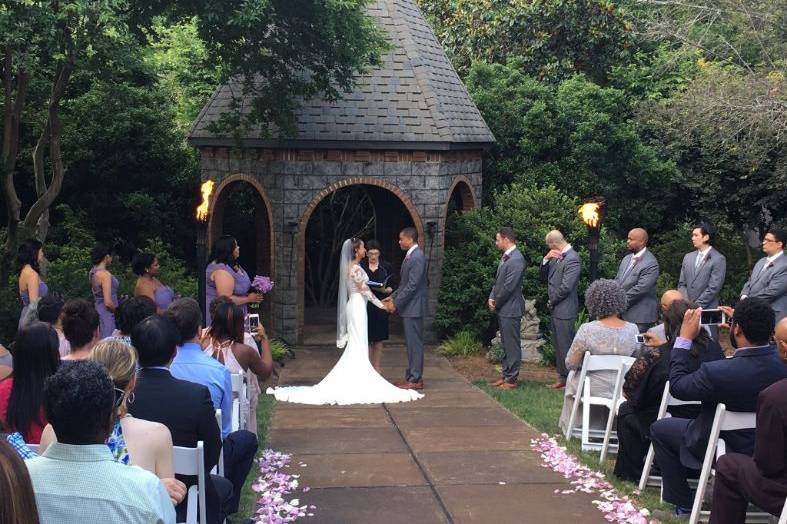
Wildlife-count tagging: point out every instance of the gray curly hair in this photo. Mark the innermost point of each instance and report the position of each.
(605, 298)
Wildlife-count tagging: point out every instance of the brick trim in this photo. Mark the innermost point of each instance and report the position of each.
(214, 226)
(304, 221)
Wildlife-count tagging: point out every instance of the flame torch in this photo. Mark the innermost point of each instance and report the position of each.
(202, 251)
(591, 213)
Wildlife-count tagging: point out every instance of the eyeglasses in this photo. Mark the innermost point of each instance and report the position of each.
(768, 240)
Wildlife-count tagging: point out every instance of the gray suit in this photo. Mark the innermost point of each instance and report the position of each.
(411, 303)
(510, 306)
(562, 276)
(769, 282)
(639, 283)
(704, 284)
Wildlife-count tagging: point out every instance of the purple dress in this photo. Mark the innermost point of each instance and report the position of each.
(105, 316)
(241, 289)
(163, 297)
(43, 291)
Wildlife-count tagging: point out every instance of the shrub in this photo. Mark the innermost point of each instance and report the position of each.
(462, 344)
(279, 350)
(495, 354)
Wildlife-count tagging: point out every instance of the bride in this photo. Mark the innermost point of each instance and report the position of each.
(352, 380)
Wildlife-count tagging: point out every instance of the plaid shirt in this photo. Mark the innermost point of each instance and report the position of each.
(18, 443)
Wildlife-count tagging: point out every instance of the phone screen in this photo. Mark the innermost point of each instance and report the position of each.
(254, 321)
(711, 316)
(640, 339)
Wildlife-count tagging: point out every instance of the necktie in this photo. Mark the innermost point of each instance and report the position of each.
(698, 261)
(505, 257)
(631, 266)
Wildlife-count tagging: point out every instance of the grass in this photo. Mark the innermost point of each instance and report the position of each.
(541, 407)
(461, 344)
(247, 498)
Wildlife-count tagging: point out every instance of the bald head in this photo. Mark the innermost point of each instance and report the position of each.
(670, 296)
(781, 338)
(637, 239)
(555, 240)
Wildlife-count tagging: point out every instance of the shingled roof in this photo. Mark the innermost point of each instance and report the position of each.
(414, 100)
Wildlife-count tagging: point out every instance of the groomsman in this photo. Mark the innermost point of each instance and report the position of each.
(506, 299)
(637, 274)
(768, 279)
(702, 272)
(560, 268)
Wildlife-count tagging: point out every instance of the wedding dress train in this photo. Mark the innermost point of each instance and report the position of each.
(352, 380)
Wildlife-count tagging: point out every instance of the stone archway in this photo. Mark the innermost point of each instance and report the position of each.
(249, 219)
(460, 196)
(384, 200)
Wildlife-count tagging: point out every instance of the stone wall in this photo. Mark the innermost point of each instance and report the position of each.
(293, 182)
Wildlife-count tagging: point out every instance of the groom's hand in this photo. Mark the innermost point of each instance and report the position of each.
(491, 304)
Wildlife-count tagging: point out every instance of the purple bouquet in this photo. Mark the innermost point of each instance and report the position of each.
(262, 284)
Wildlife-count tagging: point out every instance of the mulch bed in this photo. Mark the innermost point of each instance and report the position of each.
(476, 367)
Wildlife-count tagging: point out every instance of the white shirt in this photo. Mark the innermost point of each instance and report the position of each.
(510, 250)
(701, 255)
(771, 258)
(640, 253)
(413, 248)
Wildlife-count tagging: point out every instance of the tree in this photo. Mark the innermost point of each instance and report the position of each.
(278, 50)
(554, 39)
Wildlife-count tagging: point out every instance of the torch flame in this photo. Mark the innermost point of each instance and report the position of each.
(202, 210)
(590, 214)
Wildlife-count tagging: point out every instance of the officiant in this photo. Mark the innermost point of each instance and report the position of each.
(379, 273)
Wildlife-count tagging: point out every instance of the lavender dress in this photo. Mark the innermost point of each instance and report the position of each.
(43, 291)
(241, 289)
(163, 296)
(105, 316)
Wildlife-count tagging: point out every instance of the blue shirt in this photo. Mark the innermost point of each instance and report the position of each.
(195, 366)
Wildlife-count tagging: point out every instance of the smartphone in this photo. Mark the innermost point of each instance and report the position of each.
(640, 339)
(711, 317)
(254, 321)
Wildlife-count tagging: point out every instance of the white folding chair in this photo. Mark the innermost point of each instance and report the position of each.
(219, 468)
(617, 400)
(783, 518)
(583, 396)
(34, 448)
(723, 421)
(191, 461)
(667, 400)
(238, 394)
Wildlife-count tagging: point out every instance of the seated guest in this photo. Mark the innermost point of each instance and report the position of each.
(762, 479)
(76, 479)
(225, 341)
(657, 335)
(50, 310)
(680, 443)
(19, 501)
(22, 394)
(184, 407)
(132, 441)
(6, 362)
(609, 335)
(644, 387)
(130, 313)
(80, 326)
(194, 365)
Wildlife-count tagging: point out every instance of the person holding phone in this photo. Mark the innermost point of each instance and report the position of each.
(703, 271)
(377, 319)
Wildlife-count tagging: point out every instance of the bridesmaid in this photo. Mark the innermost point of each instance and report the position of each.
(104, 286)
(31, 287)
(147, 267)
(225, 278)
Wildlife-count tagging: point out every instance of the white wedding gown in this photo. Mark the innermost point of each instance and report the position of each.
(352, 380)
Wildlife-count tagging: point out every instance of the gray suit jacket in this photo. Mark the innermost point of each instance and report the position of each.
(704, 284)
(562, 277)
(507, 292)
(640, 287)
(410, 299)
(769, 283)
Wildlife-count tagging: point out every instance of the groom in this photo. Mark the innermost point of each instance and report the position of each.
(410, 301)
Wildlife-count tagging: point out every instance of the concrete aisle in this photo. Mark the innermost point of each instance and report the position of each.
(453, 456)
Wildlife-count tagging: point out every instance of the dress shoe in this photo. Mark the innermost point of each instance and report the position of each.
(508, 385)
(670, 514)
(556, 385)
(399, 382)
(413, 385)
(497, 382)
